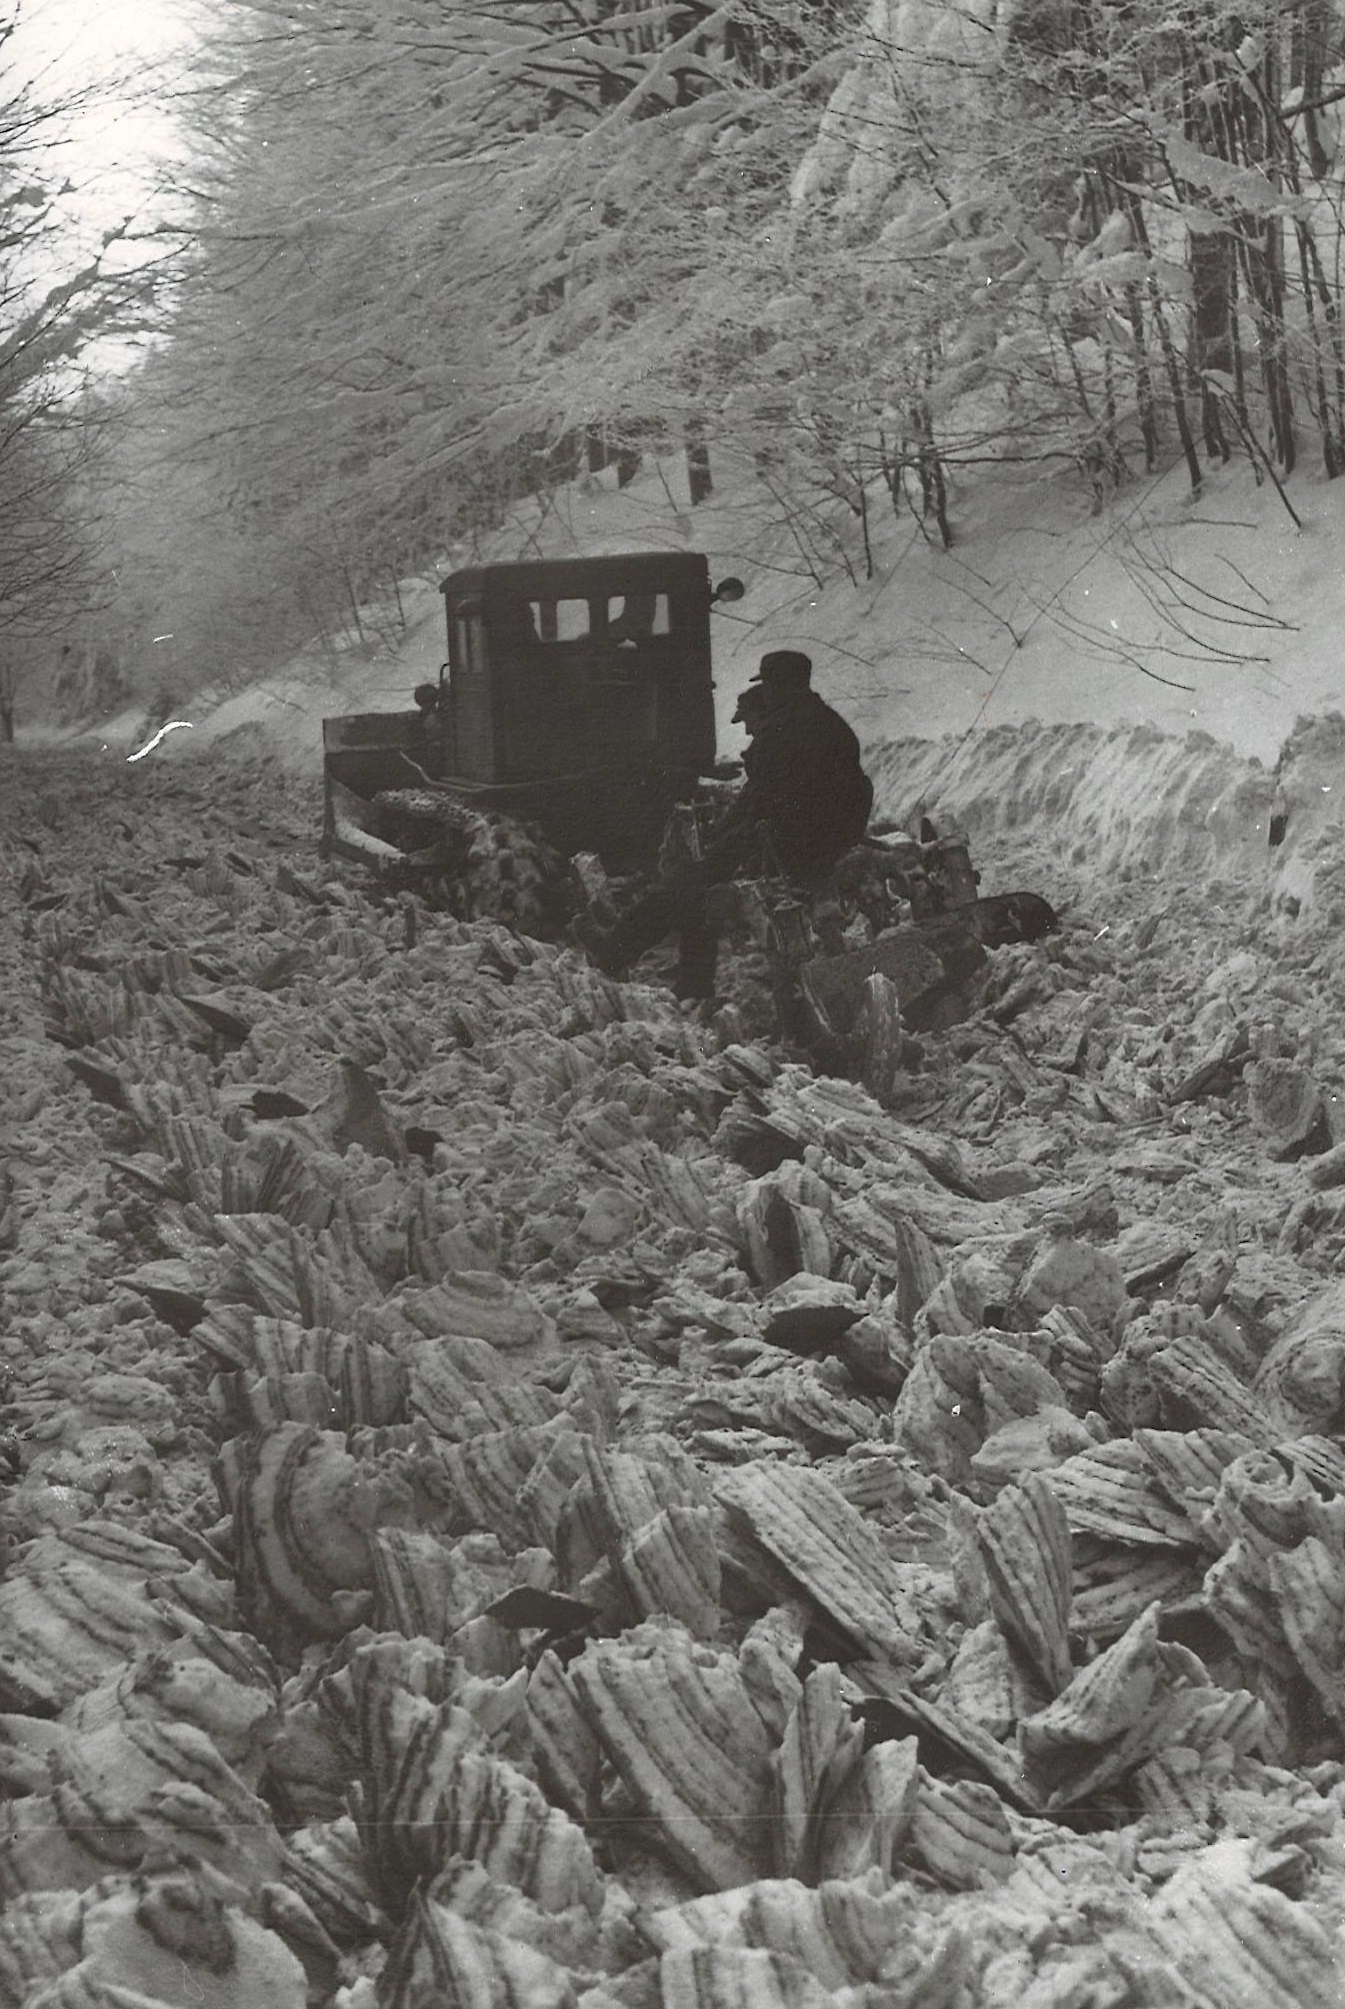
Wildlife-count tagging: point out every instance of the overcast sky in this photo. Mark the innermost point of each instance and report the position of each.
(129, 50)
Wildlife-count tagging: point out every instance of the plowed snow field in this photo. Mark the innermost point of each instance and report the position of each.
(514, 1494)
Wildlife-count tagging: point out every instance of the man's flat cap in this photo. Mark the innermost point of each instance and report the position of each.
(750, 700)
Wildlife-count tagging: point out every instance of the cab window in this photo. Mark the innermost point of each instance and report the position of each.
(468, 653)
(635, 617)
(560, 620)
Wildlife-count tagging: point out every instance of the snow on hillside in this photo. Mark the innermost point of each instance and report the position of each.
(1217, 615)
(1136, 628)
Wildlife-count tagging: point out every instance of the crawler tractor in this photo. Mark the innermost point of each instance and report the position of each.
(577, 698)
(544, 773)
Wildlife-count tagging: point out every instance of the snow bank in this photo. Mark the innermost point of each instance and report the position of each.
(1136, 801)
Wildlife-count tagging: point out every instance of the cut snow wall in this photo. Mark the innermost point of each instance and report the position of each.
(1133, 800)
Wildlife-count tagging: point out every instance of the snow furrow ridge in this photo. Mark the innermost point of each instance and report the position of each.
(512, 1489)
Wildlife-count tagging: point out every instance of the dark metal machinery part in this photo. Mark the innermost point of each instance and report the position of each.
(932, 948)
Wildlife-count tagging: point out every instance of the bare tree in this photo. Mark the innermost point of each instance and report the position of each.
(442, 260)
(452, 254)
(59, 300)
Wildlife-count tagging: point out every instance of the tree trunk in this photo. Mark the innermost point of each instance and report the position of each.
(698, 463)
(354, 603)
(1311, 45)
(1211, 261)
(864, 525)
(1326, 424)
(1258, 248)
(1144, 387)
(1254, 141)
(1165, 343)
(1330, 306)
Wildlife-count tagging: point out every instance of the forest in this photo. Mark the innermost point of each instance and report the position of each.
(406, 264)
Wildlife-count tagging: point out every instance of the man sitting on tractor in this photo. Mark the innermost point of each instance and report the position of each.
(806, 800)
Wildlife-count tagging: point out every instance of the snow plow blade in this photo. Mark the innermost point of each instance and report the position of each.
(348, 833)
(932, 964)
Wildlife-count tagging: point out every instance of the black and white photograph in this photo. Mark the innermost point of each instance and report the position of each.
(672, 1073)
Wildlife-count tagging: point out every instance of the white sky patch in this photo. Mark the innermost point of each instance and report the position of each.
(112, 71)
(173, 725)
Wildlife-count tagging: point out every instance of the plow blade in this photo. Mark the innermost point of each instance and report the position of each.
(348, 833)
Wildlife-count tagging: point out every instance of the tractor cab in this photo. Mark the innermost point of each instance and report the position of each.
(577, 695)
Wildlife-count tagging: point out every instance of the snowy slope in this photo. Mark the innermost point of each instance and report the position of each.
(1219, 615)
(1157, 653)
